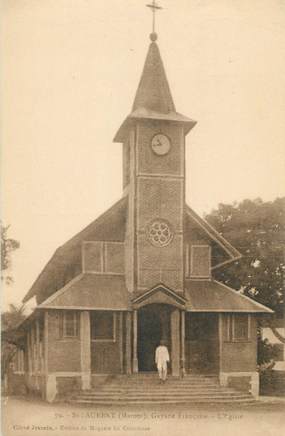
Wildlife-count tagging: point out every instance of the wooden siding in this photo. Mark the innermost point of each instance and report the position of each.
(238, 356)
(63, 354)
(105, 355)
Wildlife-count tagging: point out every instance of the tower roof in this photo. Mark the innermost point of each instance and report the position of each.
(153, 100)
(153, 92)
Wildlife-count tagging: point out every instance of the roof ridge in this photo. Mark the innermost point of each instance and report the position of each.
(62, 249)
(97, 220)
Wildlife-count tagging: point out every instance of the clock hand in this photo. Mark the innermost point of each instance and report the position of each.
(158, 143)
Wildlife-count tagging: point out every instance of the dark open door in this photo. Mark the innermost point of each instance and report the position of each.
(153, 325)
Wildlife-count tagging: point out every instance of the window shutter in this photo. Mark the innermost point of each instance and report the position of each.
(241, 327)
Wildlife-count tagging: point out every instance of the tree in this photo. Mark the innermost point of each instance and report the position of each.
(15, 315)
(8, 245)
(257, 230)
(10, 320)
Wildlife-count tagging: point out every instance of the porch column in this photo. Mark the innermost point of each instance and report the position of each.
(45, 346)
(182, 342)
(85, 345)
(38, 368)
(121, 342)
(135, 341)
(50, 390)
(175, 342)
(128, 343)
(29, 352)
(220, 343)
(32, 344)
(37, 352)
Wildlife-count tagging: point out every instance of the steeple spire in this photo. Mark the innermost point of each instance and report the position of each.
(153, 92)
(153, 100)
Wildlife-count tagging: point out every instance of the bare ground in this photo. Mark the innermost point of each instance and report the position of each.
(25, 417)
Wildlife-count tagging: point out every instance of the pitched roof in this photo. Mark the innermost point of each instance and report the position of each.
(232, 253)
(153, 100)
(66, 261)
(153, 91)
(92, 292)
(159, 294)
(109, 292)
(213, 296)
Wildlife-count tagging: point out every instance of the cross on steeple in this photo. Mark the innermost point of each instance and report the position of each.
(154, 7)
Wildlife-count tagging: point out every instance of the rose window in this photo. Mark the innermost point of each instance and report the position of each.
(159, 233)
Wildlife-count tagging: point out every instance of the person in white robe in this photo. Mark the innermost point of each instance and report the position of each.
(161, 360)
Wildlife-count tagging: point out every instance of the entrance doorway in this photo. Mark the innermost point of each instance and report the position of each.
(153, 326)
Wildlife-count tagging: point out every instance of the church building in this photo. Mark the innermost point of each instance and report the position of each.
(141, 272)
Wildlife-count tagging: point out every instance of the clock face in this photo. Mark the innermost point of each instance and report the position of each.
(160, 144)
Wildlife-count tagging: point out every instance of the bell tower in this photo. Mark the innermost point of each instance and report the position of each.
(153, 138)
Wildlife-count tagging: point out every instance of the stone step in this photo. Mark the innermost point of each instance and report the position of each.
(161, 394)
(172, 380)
(156, 387)
(165, 394)
(110, 402)
(161, 389)
(155, 375)
(156, 382)
(165, 398)
(146, 389)
(137, 379)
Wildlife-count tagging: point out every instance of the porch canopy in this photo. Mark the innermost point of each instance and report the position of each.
(91, 292)
(213, 296)
(160, 294)
(109, 292)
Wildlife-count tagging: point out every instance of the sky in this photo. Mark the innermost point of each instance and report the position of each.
(70, 69)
